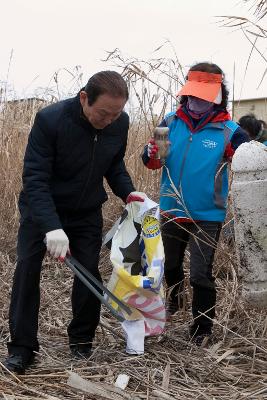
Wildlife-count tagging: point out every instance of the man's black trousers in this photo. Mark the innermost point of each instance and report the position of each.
(202, 238)
(85, 237)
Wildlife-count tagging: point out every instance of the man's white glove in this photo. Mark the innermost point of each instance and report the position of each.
(57, 243)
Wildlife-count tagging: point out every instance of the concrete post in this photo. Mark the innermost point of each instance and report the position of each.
(249, 195)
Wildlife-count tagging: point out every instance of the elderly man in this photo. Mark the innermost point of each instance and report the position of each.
(72, 146)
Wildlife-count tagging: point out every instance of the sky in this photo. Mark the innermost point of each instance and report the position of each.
(39, 38)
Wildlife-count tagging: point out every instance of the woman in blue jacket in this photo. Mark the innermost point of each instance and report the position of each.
(194, 188)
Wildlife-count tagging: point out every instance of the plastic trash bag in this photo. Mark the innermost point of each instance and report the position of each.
(137, 256)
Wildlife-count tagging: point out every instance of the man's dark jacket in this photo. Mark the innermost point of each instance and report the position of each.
(65, 161)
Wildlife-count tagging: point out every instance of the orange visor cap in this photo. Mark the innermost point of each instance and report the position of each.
(203, 85)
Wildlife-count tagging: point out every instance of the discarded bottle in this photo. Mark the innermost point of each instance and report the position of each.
(161, 137)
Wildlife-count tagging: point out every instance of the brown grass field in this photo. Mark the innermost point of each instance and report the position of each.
(233, 367)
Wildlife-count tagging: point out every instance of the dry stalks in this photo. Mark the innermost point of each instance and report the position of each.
(253, 30)
(233, 367)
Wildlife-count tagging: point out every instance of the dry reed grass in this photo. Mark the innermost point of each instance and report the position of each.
(233, 367)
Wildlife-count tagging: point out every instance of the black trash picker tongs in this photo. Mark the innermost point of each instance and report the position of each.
(90, 282)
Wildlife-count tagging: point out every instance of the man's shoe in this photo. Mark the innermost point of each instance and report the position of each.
(17, 363)
(81, 350)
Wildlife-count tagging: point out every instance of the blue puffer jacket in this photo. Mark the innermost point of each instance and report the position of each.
(194, 183)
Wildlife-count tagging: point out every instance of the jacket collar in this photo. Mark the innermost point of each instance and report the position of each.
(214, 117)
(79, 115)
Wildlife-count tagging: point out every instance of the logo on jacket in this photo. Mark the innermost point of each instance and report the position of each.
(210, 144)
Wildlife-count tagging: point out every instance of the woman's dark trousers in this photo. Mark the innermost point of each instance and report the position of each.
(202, 238)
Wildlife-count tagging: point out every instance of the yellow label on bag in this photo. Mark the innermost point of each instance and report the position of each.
(151, 236)
(150, 227)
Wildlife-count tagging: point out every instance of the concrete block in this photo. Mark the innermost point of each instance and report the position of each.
(249, 196)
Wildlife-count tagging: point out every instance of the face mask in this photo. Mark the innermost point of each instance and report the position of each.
(197, 108)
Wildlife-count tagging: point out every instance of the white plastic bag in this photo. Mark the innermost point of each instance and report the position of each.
(137, 256)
